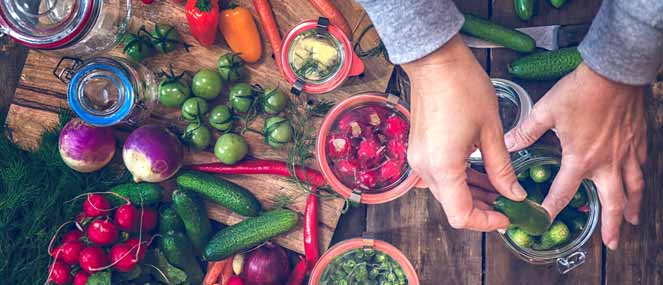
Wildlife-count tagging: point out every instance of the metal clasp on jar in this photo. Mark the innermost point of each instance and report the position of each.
(66, 68)
(570, 262)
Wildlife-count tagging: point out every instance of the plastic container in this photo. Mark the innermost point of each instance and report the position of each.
(514, 106)
(408, 180)
(356, 243)
(108, 91)
(573, 254)
(79, 28)
(349, 64)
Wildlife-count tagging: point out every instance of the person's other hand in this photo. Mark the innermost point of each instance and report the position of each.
(454, 110)
(601, 127)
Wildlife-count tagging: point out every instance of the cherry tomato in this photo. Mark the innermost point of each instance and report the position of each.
(197, 136)
(220, 118)
(230, 148)
(206, 84)
(172, 93)
(274, 101)
(241, 97)
(231, 67)
(277, 131)
(165, 38)
(194, 108)
(136, 47)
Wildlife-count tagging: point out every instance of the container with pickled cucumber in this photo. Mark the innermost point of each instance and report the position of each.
(363, 261)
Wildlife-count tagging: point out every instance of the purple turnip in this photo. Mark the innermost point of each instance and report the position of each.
(85, 148)
(152, 154)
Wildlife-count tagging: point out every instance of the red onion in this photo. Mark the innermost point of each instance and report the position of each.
(266, 265)
(152, 154)
(85, 148)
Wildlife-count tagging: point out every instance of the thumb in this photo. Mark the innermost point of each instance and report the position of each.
(497, 163)
(537, 122)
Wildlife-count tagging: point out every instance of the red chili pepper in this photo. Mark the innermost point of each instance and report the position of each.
(584, 208)
(298, 273)
(311, 240)
(203, 18)
(260, 166)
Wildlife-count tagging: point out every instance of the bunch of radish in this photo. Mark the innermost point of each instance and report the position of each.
(104, 238)
(367, 147)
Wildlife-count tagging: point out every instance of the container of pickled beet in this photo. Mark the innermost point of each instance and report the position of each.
(362, 148)
(363, 261)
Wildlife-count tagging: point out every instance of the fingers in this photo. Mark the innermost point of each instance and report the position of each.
(611, 195)
(564, 186)
(478, 179)
(479, 194)
(498, 165)
(634, 183)
(532, 128)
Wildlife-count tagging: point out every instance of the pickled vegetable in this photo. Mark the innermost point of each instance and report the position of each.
(363, 266)
(558, 234)
(314, 57)
(520, 237)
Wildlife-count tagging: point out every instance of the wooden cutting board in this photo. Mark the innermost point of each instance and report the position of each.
(40, 96)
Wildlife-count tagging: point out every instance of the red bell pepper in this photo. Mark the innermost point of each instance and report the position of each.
(203, 18)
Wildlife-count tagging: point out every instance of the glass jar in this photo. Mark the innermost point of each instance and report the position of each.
(514, 105)
(107, 91)
(80, 28)
(317, 57)
(572, 254)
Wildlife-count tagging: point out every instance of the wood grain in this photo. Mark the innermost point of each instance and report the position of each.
(40, 95)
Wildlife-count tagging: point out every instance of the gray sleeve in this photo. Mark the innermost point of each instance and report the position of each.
(411, 29)
(625, 42)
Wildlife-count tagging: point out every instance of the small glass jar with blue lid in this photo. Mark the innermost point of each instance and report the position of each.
(109, 91)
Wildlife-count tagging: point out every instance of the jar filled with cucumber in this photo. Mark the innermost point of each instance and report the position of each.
(532, 235)
(363, 266)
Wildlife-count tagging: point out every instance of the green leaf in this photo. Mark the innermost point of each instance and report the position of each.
(99, 278)
(174, 274)
(131, 275)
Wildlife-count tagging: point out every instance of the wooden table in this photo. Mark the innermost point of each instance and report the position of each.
(416, 223)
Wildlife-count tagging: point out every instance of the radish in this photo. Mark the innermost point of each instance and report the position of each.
(127, 218)
(92, 259)
(149, 220)
(73, 235)
(339, 146)
(102, 232)
(368, 150)
(96, 205)
(54, 252)
(390, 171)
(395, 127)
(397, 149)
(70, 251)
(133, 244)
(368, 178)
(347, 167)
(60, 273)
(122, 257)
(81, 278)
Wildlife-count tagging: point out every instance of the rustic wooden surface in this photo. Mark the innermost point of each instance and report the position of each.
(416, 224)
(40, 95)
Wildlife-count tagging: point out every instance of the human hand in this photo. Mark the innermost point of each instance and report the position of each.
(454, 110)
(602, 130)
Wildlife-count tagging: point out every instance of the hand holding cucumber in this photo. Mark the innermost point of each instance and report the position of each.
(602, 130)
(454, 109)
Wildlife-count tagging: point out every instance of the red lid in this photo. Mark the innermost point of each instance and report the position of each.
(37, 25)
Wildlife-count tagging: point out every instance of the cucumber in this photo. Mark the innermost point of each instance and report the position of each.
(579, 198)
(557, 3)
(169, 220)
(138, 193)
(225, 193)
(546, 65)
(524, 8)
(557, 234)
(249, 233)
(574, 219)
(519, 237)
(487, 30)
(194, 217)
(534, 192)
(527, 215)
(179, 252)
(540, 173)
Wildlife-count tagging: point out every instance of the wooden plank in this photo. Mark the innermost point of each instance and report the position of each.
(503, 267)
(40, 95)
(416, 224)
(12, 57)
(640, 254)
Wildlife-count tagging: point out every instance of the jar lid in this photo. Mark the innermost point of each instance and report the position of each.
(317, 57)
(101, 93)
(514, 105)
(47, 24)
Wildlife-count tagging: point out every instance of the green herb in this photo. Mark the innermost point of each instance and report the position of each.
(100, 278)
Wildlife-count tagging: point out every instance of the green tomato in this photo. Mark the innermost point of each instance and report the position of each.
(194, 108)
(165, 38)
(206, 84)
(197, 136)
(277, 131)
(230, 148)
(274, 101)
(241, 97)
(136, 47)
(231, 67)
(173, 93)
(540, 173)
(220, 118)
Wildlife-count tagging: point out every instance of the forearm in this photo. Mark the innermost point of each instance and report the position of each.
(625, 42)
(413, 29)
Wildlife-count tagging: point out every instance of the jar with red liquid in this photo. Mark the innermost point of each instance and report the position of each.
(362, 148)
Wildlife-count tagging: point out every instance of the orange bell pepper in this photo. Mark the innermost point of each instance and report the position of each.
(241, 33)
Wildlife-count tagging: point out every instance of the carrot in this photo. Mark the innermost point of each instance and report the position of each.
(214, 270)
(241, 34)
(264, 11)
(327, 9)
(227, 271)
